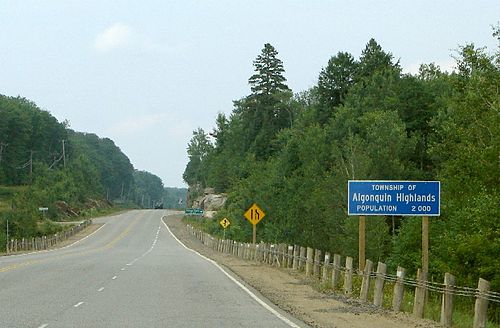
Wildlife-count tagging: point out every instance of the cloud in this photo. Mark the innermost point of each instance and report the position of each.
(120, 35)
(116, 36)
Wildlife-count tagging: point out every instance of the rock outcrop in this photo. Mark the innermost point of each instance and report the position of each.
(210, 201)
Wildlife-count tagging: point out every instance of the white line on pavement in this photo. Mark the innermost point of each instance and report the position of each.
(239, 284)
(148, 251)
(78, 304)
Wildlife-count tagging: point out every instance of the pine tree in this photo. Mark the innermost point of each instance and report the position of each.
(269, 78)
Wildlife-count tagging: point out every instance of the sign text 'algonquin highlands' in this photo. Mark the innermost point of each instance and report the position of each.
(410, 198)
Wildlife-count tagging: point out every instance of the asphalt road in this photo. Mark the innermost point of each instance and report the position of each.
(130, 273)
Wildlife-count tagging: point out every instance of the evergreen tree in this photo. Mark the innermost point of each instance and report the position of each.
(269, 70)
(334, 82)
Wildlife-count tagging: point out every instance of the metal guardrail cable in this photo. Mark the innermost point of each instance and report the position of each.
(438, 287)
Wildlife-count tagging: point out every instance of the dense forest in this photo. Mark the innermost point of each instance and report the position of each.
(43, 163)
(364, 119)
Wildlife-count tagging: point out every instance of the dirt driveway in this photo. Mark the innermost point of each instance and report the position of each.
(291, 292)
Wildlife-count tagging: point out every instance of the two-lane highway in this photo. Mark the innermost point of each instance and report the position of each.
(130, 273)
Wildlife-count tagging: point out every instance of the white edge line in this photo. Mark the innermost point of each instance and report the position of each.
(76, 242)
(78, 304)
(239, 284)
(44, 325)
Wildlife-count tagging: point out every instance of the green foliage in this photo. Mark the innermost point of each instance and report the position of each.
(58, 168)
(113, 167)
(365, 119)
(268, 78)
(148, 189)
(27, 135)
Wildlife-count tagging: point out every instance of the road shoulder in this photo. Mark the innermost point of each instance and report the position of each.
(291, 292)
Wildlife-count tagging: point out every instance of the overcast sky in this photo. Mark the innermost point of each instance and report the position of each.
(147, 73)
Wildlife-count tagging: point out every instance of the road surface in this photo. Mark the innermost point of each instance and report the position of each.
(131, 272)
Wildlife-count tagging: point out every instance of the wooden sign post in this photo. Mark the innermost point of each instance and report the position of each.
(405, 198)
(425, 244)
(254, 214)
(362, 243)
(224, 223)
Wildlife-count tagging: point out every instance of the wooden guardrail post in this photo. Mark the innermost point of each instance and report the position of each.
(309, 261)
(284, 256)
(348, 276)
(420, 290)
(264, 252)
(295, 263)
(399, 289)
(316, 263)
(336, 270)
(302, 258)
(290, 256)
(481, 306)
(378, 297)
(326, 264)
(447, 303)
(270, 255)
(365, 284)
(279, 255)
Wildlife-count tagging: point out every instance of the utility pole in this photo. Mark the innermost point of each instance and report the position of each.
(7, 230)
(64, 153)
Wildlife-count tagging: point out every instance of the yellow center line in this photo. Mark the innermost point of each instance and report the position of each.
(81, 253)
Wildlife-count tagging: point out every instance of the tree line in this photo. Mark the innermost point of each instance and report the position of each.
(43, 163)
(364, 119)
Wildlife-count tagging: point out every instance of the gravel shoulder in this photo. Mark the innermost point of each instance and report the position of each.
(291, 292)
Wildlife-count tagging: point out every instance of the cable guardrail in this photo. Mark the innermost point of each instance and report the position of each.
(277, 254)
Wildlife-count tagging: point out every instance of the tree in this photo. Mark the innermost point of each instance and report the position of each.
(334, 82)
(374, 59)
(269, 70)
(267, 110)
(198, 149)
(148, 189)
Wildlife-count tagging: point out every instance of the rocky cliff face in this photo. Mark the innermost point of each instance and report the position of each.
(210, 201)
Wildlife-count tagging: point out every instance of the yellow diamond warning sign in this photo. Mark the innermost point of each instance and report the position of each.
(254, 214)
(224, 223)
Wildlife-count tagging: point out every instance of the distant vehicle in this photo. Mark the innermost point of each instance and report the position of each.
(158, 206)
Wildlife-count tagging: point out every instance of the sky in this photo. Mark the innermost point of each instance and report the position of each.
(147, 73)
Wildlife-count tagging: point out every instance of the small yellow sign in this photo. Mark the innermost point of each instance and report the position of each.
(254, 214)
(224, 223)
